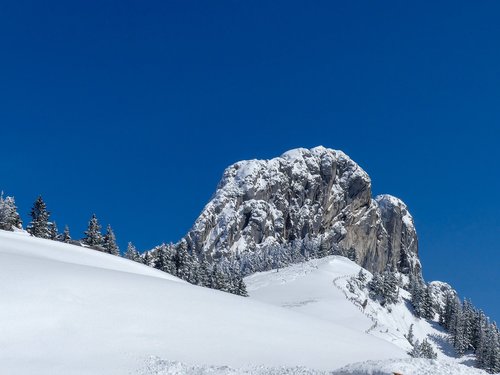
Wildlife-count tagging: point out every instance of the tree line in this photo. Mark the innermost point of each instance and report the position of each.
(173, 259)
(470, 330)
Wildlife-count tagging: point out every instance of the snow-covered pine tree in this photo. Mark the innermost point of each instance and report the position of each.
(416, 351)
(53, 232)
(410, 336)
(204, 273)
(384, 287)
(375, 286)
(132, 253)
(183, 261)
(219, 280)
(109, 242)
(362, 276)
(417, 295)
(9, 217)
(458, 332)
(390, 287)
(468, 314)
(160, 257)
(427, 351)
(93, 236)
(423, 350)
(147, 259)
(427, 304)
(66, 237)
(193, 270)
(39, 226)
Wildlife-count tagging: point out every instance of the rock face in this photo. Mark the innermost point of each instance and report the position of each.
(315, 200)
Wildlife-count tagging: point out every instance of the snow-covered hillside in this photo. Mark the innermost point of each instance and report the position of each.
(71, 310)
(319, 288)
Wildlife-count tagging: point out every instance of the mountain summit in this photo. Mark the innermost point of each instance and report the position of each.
(307, 202)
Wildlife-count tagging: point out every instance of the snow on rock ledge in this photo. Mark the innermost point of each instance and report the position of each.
(318, 194)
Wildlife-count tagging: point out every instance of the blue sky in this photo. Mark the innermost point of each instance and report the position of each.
(132, 110)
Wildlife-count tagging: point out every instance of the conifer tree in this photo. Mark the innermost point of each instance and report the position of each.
(9, 217)
(410, 337)
(218, 279)
(242, 288)
(427, 351)
(109, 242)
(204, 273)
(423, 350)
(427, 308)
(93, 236)
(147, 259)
(53, 232)
(39, 226)
(361, 276)
(132, 253)
(66, 237)
(183, 261)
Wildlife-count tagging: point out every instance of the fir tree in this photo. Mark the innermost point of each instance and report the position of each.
(93, 236)
(147, 259)
(362, 276)
(53, 232)
(427, 309)
(410, 337)
(204, 274)
(427, 351)
(416, 351)
(9, 217)
(39, 226)
(417, 291)
(423, 350)
(109, 242)
(132, 253)
(219, 281)
(66, 237)
(183, 261)
(242, 288)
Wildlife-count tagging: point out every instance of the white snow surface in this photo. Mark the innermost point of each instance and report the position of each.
(72, 310)
(319, 288)
(410, 366)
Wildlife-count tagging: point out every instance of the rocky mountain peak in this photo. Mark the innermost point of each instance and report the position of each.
(306, 202)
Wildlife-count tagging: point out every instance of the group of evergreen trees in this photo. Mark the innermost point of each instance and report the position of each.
(384, 287)
(471, 330)
(421, 298)
(223, 275)
(41, 226)
(174, 259)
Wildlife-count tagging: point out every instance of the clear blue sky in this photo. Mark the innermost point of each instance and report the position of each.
(133, 109)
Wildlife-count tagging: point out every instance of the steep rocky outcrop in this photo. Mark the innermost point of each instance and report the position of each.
(316, 200)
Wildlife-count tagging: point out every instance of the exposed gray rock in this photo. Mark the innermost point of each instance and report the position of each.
(317, 198)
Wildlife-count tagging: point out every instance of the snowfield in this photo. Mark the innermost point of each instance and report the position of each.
(411, 366)
(71, 310)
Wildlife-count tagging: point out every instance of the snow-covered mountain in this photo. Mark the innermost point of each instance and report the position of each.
(316, 200)
(307, 215)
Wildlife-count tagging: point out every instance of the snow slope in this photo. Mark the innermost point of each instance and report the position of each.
(318, 288)
(70, 310)
(409, 366)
